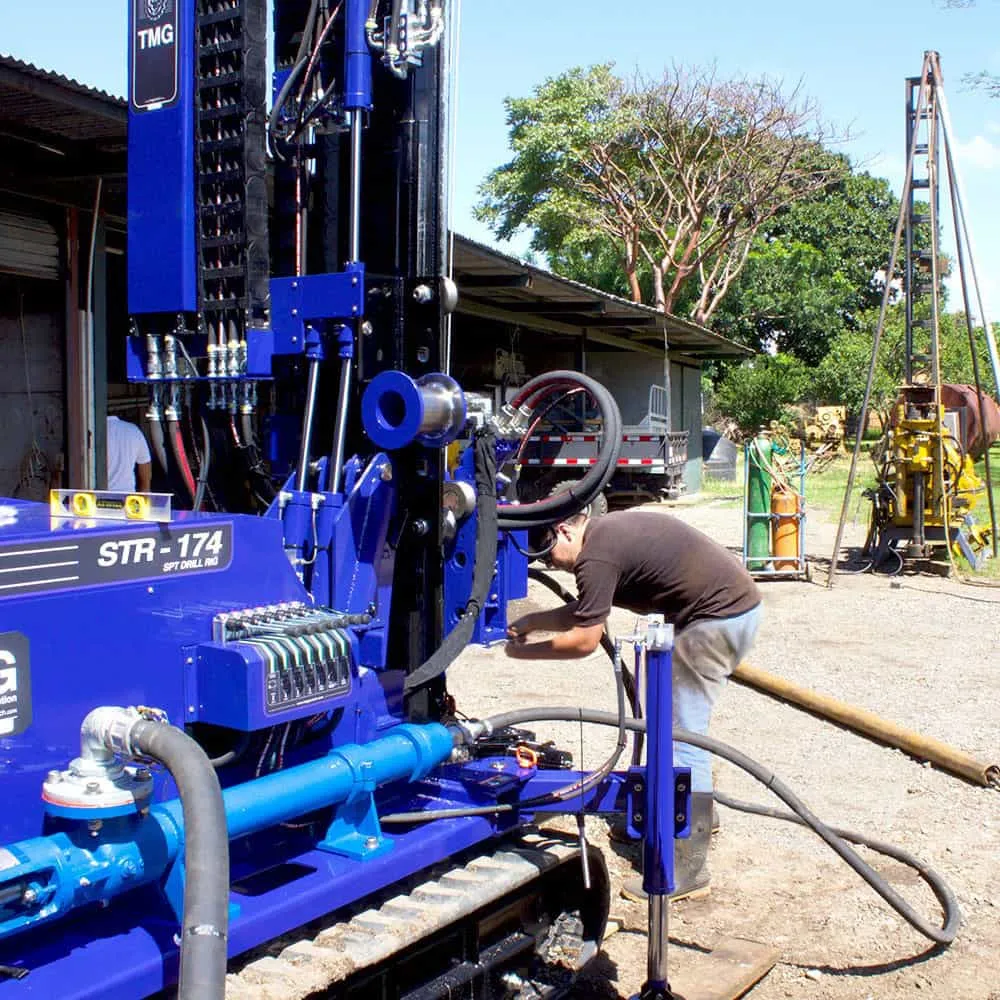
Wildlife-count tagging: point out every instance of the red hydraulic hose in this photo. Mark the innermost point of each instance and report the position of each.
(180, 456)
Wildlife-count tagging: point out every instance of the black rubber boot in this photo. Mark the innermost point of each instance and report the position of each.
(691, 876)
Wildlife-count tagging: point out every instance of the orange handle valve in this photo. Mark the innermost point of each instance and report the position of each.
(525, 757)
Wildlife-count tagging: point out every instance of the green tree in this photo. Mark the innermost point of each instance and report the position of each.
(841, 376)
(673, 177)
(812, 270)
(758, 391)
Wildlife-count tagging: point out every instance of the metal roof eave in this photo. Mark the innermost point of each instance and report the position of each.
(510, 289)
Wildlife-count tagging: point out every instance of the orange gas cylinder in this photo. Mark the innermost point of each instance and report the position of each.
(785, 510)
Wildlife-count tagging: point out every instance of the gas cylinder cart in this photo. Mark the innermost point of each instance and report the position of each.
(774, 508)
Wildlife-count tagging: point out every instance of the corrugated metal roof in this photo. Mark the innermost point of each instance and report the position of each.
(505, 284)
(63, 81)
(46, 103)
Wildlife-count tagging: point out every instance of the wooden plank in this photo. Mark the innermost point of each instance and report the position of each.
(726, 973)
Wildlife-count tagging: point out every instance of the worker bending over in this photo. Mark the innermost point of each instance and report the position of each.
(652, 563)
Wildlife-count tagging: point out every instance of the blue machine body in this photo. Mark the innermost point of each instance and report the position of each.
(266, 637)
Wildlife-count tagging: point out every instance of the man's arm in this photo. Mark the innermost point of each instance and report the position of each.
(554, 620)
(580, 640)
(143, 476)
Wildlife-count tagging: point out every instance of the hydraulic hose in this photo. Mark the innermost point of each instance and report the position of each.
(482, 577)
(156, 442)
(206, 461)
(835, 839)
(179, 452)
(513, 517)
(628, 678)
(205, 924)
(576, 788)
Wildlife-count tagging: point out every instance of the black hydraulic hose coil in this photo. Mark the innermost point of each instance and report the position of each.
(485, 566)
(512, 517)
(205, 923)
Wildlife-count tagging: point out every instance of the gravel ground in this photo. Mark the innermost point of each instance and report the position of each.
(918, 650)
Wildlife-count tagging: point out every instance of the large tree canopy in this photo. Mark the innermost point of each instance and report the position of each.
(670, 179)
(811, 270)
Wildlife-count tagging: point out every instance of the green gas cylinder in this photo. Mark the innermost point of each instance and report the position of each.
(758, 502)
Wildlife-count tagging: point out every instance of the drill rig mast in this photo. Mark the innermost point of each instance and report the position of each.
(927, 486)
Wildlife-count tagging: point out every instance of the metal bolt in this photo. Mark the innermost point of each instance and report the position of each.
(28, 897)
(94, 826)
(189, 660)
(637, 787)
(422, 294)
(295, 284)
(367, 329)
(54, 776)
(636, 817)
(149, 590)
(371, 843)
(421, 527)
(386, 473)
(84, 882)
(681, 787)
(295, 312)
(93, 787)
(423, 355)
(680, 817)
(498, 765)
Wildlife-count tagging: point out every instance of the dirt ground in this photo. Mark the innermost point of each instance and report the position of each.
(917, 649)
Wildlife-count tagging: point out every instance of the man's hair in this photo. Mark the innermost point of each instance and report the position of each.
(540, 540)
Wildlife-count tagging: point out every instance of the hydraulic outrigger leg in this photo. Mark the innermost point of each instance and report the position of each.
(659, 829)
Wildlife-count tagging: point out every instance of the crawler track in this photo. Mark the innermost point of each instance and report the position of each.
(516, 923)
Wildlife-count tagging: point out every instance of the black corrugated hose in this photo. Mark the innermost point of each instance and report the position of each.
(205, 923)
(482, 577)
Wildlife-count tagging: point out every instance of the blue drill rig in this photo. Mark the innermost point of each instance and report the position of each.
(229, 725)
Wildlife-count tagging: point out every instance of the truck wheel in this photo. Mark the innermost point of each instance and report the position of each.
(598, 506)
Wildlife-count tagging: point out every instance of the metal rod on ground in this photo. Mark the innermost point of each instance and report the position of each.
(867, 723)
(879, 329)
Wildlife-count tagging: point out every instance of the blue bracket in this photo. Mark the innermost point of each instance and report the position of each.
(313, 299)
(355, 831)
(635, 802)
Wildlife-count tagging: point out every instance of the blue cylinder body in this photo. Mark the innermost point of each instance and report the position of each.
(67, 870)
(658, 839)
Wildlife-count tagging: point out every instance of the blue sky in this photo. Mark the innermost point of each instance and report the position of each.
(851, 56)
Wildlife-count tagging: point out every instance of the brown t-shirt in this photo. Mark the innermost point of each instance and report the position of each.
(654, 564)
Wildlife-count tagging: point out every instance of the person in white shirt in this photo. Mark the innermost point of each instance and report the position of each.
(130, 468)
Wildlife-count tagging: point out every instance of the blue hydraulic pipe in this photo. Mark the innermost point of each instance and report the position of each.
(58, 873)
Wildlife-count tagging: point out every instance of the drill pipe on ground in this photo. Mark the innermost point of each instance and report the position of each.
(868, 724)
